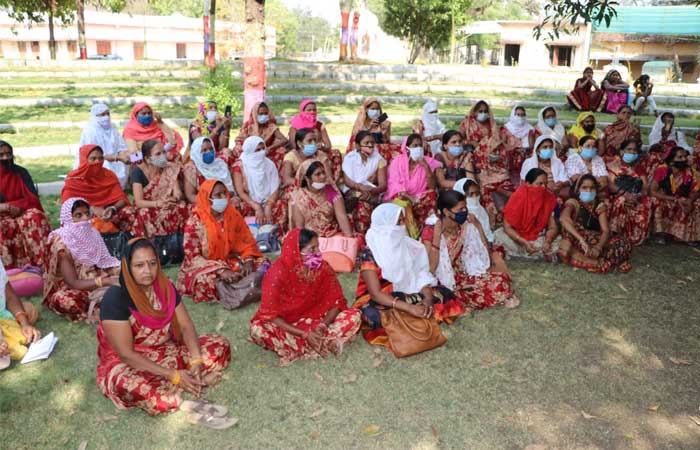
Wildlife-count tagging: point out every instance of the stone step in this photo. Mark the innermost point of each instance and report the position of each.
(100, 85)
(51, 188)
(164, 100)
(102, 73)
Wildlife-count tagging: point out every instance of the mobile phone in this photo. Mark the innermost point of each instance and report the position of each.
(469, 148)
(227, 111)
(382, 117)
(136, 157)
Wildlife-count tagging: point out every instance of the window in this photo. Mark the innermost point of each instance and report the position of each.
(138, 50)
(181, 50)
(22, 48)
(35, 47)
(511, 55)
(72, 48)
(561, 55)
(104, 48)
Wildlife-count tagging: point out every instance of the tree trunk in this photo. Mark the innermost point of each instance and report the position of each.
(81, 28)
(452, 40)
(415, 49)
(52, 38)
(254, 54)
(212, 35)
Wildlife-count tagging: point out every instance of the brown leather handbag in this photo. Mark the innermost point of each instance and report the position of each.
(408, 334)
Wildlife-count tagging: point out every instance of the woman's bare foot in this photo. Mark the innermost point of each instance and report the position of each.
(512, 302)
(212, 378)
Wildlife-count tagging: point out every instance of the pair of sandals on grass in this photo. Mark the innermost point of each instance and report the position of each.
(202, 412)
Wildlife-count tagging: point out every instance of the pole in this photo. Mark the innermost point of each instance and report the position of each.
(205, 30)
(254, 81)
(212, 35)
(81, 28)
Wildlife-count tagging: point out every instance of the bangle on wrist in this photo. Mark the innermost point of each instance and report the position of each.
(393, 304)
(196, 362)
(99, 282)
(175, 378)
(20, 314)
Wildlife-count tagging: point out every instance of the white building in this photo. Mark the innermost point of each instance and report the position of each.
(128, 36)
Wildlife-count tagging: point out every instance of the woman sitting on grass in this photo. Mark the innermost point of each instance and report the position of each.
(616, 91)
(548, 124)
(619, 131)
(585, 126)
(370, 119)
(100, 131)
(17, 320)
(303, 313)
(308, 119)
(455, 162)
(430, 129)
(518, 137)
(262, 123)
(23, 223)
(305, 149)
(205, 164)
(148, 348)
(78, 264)
(160, 206)
(545, 158)
(587, 161)
(145, 124)
(587, 242)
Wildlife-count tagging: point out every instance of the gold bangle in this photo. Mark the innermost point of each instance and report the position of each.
(175, 379)
(393, 304)
(19, 314)
(196, 362)
(98, 282)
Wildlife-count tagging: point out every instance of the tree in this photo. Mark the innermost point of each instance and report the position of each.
(112, 5)
(425, 23)
(37, 11)
(254, 54)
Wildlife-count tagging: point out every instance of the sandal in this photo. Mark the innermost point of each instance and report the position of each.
(217, 423)
(204, 407)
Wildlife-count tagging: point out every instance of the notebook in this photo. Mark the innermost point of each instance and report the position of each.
(40, 349)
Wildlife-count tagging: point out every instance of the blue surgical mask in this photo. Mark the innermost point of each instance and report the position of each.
(586, 197)
(482, 117)
(629, 158)
(373, 113)
(208, 157)
(551, 122)
(263, 118)
(144, 120)
(219, 204)
(461, 217)
(455, 151)
(588, 153)
(309, 149)
(546, 153)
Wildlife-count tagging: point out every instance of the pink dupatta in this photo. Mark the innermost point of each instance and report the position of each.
(402, 180)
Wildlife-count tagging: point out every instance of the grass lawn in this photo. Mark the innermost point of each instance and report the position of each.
(48, 168)
(103, 92)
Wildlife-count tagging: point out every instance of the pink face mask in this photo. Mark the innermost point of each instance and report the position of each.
(309, 116)
(312, 260)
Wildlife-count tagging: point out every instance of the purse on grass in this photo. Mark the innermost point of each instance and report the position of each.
(240, 293)
(339, 251)
(410, 335)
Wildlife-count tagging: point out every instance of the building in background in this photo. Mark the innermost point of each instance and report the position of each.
(129, 37)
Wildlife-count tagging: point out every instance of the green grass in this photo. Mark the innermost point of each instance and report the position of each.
(155, 91)
(48, 168)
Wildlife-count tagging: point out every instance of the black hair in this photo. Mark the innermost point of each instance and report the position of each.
(587, 69)
(549, 108)
(643, 80)
(147, 147)
(480, 102)
(448, 135)
(263, 104)
(6, 144)
(378, 103)
(521, 108)
(306, 236)
(78, 204)
(361, 135)
(97, 147)
(585, 139)
(580, 181)
(543, 141)
(667, 113)
(135, 244)
(310, 171)
(469, 183)
(301, 134)
(411, 137)
(448, 199)
(627, 142)
(672, 154)
(625, 107)
(534, 174)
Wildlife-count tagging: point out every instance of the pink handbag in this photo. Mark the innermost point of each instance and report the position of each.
(339, 251)
(27, 281)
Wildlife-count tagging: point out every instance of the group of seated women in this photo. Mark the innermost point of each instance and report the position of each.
(612, 94)
(436, 218)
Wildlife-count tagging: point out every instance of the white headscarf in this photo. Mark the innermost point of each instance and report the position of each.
(361, 171)
(558, 131)
(558, 168)
(108, 139)
(432, 125)
(404, 261)
(519, 130)
(675, 134)
(475, 255)
(261, 174)
(217, 170)
(479, 212)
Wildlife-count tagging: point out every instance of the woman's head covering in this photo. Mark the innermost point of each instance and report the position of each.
(657, 130)
(362, 119)
(15, 184)
(400, 178)
(361, 171)
(577, 129)
(431, 122)
(304, 119)
(404, 261)
(145, 313)
(107, 138)
(217, 170)
(519, 130)
(92, 182)
(528, 210)
(558, 169)
(134, 130)
(260, 173)
(257, 129)
(235, 235)
(82, 240)
(473, 125)
(291, 293)
(558, 131)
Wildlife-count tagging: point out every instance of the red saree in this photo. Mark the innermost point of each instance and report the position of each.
(585, 98)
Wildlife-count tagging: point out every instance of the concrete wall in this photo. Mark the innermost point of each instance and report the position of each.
(534, 54)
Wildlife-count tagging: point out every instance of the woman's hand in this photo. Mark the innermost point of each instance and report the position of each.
(236, 202)
(31, 333)
(584, 246)
(530, 247)
(190, 384)
(268, 213)
(259, 214)
(157, 117)
(4, 349)
(473, 220)
(229, 276)
(247, 268)
(110, 281)
(315, 340)
(547, 248)
(594, 252)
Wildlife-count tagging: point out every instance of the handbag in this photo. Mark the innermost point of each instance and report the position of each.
(629, 184)
(410, 335)
(267, 239)
(339, 251)
(117, 243)
(240, 293)
(170, 249)
(26, 281)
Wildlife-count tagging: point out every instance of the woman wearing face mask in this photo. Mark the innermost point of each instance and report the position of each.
(623, 129)
(529, 227)
(588, 161)
(365, 178)
(262, 123)
(305, 149)
(149, 352)
(545, 158)
(518, 137)
(548, 124)
(490, 157)
(460, 258)
(213, 125)
(616, 90)
(219, 247)
(585, 126)
(455, 162)
(23, 223)
(99, 131)
(308, 118)
(100, 188)
(586, 96)
(663, 137)
(412, 178)
(587, 242)
(368, 120)
(145, 124)
(257, 182)
(78, 265)
(472, 192)
(204, 164)
(430, 128)
(303, 313)
(677, 188)
(317, 205)
(631, 206)
(159, 201)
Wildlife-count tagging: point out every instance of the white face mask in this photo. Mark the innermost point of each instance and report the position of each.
(520, 120)
(318, 186)
(160, 161)
(219, 204)
(104, 121)
(473, 203)
(212, 115)
(416, 153)
(372, 113)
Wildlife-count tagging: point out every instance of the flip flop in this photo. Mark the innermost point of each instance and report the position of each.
(203, 407)
(217, 423)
